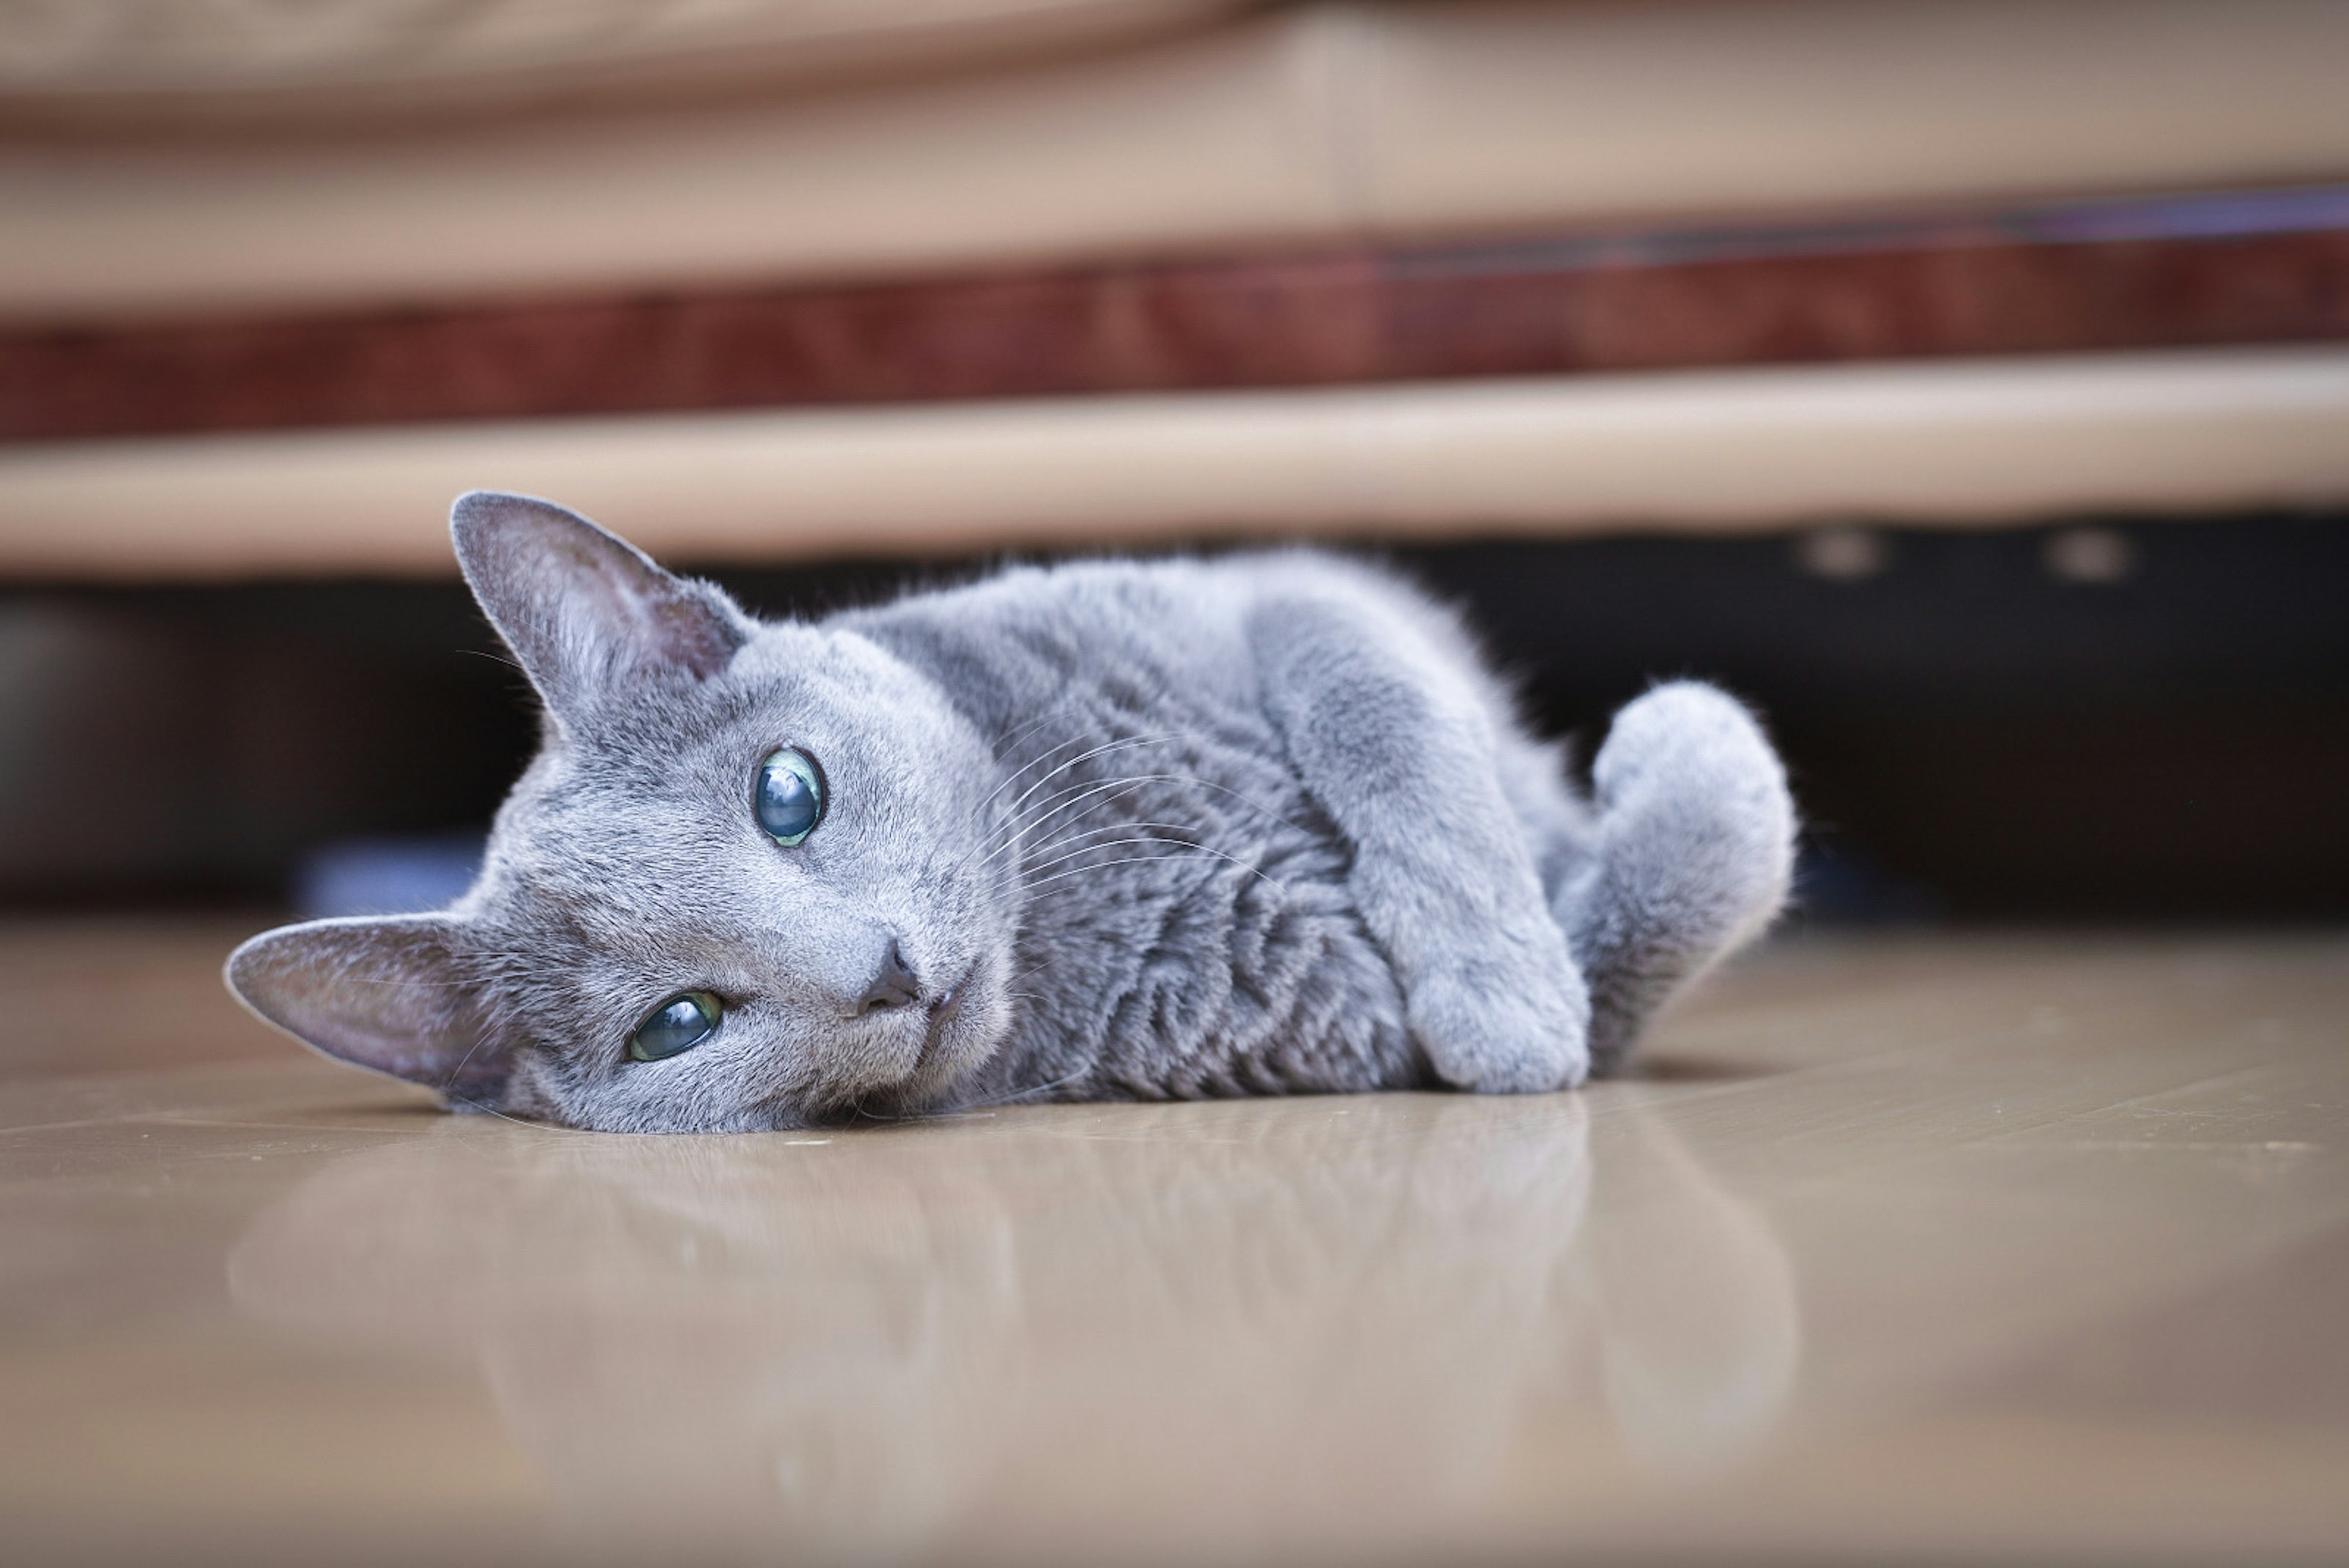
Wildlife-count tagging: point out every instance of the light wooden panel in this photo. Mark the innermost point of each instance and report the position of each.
(1954, 443)
(1339, 121)
(1956, 1249)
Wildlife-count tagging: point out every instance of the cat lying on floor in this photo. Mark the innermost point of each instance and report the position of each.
(1114, 830)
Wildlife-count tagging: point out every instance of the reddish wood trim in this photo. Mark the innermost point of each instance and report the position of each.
(2041, 280)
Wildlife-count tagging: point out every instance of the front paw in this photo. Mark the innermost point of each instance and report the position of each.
(1506, 1023)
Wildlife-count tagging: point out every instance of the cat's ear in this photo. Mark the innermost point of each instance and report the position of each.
(391, 994)
(585, 611)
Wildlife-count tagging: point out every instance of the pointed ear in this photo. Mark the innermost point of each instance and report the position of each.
(393, 995)
(582, 609)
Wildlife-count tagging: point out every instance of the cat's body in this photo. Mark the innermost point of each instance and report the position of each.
(1124, 696)
(1262, 825)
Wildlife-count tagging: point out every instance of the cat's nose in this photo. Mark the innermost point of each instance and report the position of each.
(893, 984)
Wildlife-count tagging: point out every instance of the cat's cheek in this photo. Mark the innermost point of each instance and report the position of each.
(978, 1031)
(527, 1094)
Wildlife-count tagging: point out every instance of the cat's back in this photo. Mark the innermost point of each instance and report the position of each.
(1023, 634)
(1172, 629)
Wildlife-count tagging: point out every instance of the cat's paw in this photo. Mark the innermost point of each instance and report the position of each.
(1696, 823)
(1512, 1019)
(1694, 850)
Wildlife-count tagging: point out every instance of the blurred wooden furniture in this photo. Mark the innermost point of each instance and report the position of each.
(1631, 241)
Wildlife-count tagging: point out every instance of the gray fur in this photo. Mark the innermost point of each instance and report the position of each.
(1263, 824)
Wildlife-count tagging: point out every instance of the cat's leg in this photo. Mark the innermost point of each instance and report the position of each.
(1691, 854)
(1397, 744)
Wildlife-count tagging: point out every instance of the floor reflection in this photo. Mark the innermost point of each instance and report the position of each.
(1207, 1325)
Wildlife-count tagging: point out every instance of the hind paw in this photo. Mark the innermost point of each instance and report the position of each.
(1694, 852)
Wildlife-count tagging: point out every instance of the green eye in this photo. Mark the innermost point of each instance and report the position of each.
(678, 1025)
(790, 797)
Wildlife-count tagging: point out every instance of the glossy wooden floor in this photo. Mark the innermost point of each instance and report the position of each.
(1978, 1248)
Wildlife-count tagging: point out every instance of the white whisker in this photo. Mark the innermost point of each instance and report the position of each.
(1011, 813)
(517, 1121)
(1138, 860)
(1012, 1096)
(1080, 791)
(1045, 864)
(1114, 843)
(1013, 740)
(1102, 750)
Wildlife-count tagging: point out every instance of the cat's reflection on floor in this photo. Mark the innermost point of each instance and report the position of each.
(1216, 1325)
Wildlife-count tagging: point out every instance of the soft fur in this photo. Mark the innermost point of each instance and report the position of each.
(1255, 825)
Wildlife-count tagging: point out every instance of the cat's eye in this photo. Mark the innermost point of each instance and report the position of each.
(790, 796)
(678, 1025)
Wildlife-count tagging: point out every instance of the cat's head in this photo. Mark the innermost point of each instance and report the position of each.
(746, 883)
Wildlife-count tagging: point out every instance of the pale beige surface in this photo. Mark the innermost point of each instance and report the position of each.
(1315, 122)
(170, 64)
(1945, 444)
(2012, 1249)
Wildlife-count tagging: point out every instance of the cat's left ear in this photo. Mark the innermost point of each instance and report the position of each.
(585, 610)
(394, 995)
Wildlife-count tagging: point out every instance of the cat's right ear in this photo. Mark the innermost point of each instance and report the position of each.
(585, 610)
(390, 994)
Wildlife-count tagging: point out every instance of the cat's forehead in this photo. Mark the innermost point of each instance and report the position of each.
(665, 736)
(787, 684)
(819, 663)
(665, 773)
(648, 811)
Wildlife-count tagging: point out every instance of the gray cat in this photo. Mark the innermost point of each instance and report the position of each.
(1112, 830)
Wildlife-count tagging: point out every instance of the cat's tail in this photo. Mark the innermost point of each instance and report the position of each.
(1691, 854)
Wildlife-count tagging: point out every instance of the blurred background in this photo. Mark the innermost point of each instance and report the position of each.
(1966, 383)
